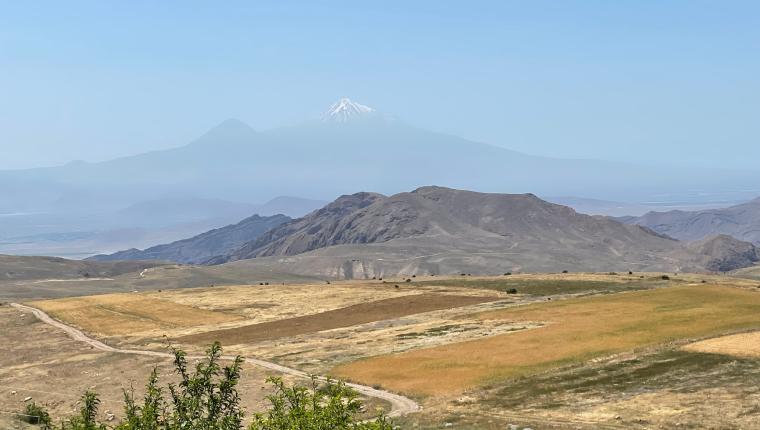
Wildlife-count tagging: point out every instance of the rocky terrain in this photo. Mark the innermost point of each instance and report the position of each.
(324, 227)
(436, 230)
(724, 253)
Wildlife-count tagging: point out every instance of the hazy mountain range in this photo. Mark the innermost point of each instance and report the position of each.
(199, 249)
(739, 221)
(140, 225)
(157, 197)
(437, 230)
(353, 147)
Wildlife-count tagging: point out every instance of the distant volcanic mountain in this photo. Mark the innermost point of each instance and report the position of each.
(353, 147)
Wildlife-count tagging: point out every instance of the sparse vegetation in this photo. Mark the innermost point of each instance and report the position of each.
(87, 418)
(207, 399)
(36, 414)
(332, 406)
(659, 370)
(545, 287)
(599, 325)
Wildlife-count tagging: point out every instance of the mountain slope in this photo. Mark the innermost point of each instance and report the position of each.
(439, 230)
(22, 268)
(304, 234)
(724, 253)
(740, 221)
(200, 248)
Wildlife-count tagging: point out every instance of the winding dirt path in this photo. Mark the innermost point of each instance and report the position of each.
(400, 405)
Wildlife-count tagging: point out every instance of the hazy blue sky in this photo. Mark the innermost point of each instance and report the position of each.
(670, 81)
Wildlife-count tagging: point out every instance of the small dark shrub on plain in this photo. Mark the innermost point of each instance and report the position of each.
(36, 414)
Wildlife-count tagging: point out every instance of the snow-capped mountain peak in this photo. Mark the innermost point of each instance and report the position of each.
(345, 109)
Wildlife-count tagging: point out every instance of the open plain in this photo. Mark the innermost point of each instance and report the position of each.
(569, 350)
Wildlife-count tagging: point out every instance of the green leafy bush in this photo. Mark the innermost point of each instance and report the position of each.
(333, 406)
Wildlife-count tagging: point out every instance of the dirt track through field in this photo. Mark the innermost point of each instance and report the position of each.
(362, 313)
(400, 405)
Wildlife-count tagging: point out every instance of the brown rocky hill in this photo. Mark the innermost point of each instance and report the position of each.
(724, 253)
(439, 230)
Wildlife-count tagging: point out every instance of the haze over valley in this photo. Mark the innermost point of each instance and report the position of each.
(80, 209)
(395, 216)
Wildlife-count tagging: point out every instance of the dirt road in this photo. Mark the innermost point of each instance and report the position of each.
(400, 405)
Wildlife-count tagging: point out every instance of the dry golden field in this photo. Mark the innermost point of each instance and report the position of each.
(114, 314)
(534, 356)
(740, 345)
(574, 331)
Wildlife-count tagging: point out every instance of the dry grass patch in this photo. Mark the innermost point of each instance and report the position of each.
(575, 331)
(740, 345)
(128, 314)
(262, 303)
(345, 317)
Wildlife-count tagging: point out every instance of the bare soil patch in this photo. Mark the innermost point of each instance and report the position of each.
(344, 317)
